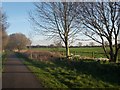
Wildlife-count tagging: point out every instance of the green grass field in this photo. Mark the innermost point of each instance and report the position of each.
(75, 74)
(82, 51)
(95, 52)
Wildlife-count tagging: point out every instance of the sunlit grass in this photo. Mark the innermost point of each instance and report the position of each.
(82, 51)
(75, 74)
(3, 59)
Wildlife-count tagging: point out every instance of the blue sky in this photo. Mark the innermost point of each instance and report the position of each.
(17, 16)
(17, 13)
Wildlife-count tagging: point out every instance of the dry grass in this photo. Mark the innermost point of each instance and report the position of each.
(42, 55)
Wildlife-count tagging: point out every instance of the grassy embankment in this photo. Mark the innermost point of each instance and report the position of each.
(75, 74)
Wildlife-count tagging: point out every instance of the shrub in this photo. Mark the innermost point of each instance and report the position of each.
(43, 55)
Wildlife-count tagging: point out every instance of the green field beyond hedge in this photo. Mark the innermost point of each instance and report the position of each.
(81, 49)
(95, 52)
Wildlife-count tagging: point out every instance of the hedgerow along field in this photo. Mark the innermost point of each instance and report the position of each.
(95, 52)
(53, 72)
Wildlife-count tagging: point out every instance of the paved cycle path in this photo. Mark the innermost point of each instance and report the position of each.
(17, 75)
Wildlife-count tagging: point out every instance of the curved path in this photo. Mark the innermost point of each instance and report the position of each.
(17, 75)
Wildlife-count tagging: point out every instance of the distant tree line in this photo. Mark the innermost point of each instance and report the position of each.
(53, 46)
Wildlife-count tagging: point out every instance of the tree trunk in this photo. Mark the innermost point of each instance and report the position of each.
(104, 48)
(116, 57)
(67, 50)
(112, 58)
(113, 54)
(116, 49)
(116, 54)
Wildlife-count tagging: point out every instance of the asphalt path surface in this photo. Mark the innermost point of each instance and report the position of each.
(17, 75)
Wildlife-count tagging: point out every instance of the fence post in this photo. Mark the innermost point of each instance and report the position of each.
(92, 54)
(30, 55)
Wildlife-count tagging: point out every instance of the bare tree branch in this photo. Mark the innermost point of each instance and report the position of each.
(57, 19)
(102, 19)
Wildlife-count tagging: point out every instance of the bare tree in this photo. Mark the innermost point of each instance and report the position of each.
(79, 44)
(58, 43)
(52, 45)
(91, 44)
(18, 41)
(3, 26)
(106, 43)
(101, 21)
(57, 20)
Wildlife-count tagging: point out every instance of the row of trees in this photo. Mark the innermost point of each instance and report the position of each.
(18, 41)
(3, 27)
(13, 41)
(100, 21)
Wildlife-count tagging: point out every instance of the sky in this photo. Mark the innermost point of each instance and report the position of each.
(18, 18)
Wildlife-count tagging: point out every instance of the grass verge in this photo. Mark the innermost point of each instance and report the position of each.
(75, 74)
(4, 58)
(45, 78)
